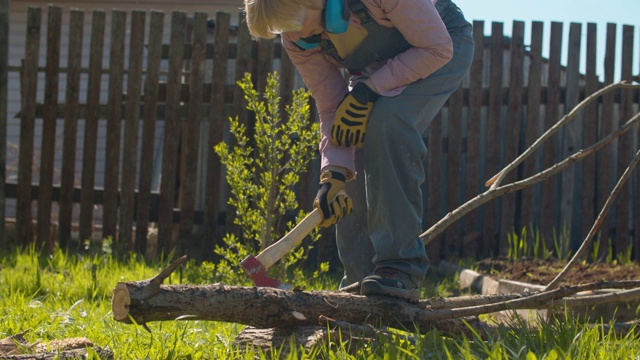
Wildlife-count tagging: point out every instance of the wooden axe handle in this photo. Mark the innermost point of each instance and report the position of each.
(280, 248)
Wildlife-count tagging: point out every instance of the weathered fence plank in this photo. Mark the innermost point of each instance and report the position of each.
(589, 135)
(94, 81)
(572, 178)
(191, 135)
(606, 167)
(530, 210)
(473, 180)
(492, 162)
(114, 123)
(242, 65)
(4, 70)
(67, 176)
(512, 128)
(147, 149)
(131, 124)
(549, 220)
(216, 127)
(49, 121)
(625, 144)
(166, 240)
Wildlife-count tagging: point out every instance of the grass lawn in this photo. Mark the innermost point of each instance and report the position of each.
(63, 296)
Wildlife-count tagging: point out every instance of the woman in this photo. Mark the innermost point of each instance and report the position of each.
(403, 59)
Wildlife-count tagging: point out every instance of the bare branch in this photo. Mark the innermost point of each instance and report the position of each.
(596, 225)
(497, 179)
(495, 192)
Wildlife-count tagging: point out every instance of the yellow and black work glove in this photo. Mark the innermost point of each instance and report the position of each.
(331, 199)
(352, 116)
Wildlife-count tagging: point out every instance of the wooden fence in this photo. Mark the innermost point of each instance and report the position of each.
(510, 97)
(4, 69)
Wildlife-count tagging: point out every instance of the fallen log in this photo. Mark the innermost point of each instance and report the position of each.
(146, 301)
(269, 307)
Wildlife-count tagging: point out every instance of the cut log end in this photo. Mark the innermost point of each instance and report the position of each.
(120, 303)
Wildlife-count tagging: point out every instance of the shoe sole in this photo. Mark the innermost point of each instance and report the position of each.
(375, 288)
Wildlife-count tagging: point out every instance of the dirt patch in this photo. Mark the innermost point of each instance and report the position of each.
(535, 271)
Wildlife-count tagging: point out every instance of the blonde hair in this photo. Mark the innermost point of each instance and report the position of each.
(267, 18)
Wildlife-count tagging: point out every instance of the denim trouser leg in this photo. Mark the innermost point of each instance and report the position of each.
(354, 244)
(384, 227)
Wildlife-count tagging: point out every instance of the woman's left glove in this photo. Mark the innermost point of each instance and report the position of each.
(352, 116)
(332, 199)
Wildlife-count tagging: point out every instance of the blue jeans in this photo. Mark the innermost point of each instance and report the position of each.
(383, 229)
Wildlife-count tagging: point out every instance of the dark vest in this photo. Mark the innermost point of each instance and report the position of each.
(380, 44)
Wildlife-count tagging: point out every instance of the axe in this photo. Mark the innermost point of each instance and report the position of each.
(256, 266)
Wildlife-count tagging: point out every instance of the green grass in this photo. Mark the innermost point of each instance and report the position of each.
(63, 296)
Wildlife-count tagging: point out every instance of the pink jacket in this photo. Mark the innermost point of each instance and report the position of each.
(420, 24)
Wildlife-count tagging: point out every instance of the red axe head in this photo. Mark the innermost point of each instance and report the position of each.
(258, 274)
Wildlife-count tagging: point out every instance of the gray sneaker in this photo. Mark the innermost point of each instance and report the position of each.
(390, 282)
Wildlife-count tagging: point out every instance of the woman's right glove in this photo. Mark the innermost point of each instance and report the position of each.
(332, 199)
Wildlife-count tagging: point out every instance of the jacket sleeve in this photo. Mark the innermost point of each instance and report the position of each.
(421, 25)
(328, 87)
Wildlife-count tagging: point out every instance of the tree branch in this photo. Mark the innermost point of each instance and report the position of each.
(596, 225)
(496, 190)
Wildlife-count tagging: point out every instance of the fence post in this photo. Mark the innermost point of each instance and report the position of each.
(131, 123)
(243, 64)
(492, 163)
(549, 220)
(166, 201)
(191, 128)
(513, 130)
(72, 102)
(114, 123)
(606, 165)
(4, 64)
(216, 121)
(49, 122)
(572, 178)
(28, 89)
(91, 125)
(473, 184)
(625, 144)
(590, 131)
(151, 87)
(530, 209)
